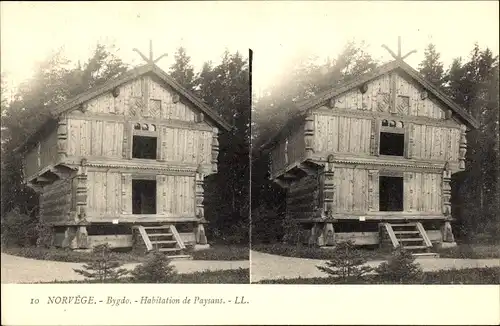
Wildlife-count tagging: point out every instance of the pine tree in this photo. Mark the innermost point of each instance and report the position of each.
(103, 268)
(182, 70)
(348, 263)
(431, 67)
(156, 269)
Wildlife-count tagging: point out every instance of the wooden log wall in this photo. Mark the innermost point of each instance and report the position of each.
(342, 134)
(95, 138)
(110, 194)
(144, 97)
(434, 143)
(106, 139)
(57, 200)
(176, 195)
(351, 190)
(185, 145)
(410, 99)
(423, 192)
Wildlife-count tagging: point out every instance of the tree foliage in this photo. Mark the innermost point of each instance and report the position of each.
(348, 262)
(182, 70)
(401, 268)
(225, 88)
(432, 67)
(156, 269)
(103, 268)
(54, 80)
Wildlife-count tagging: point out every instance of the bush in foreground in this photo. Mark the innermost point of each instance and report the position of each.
(401, 268)
(156, 269)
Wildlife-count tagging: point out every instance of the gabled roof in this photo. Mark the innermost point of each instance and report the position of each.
(303, 106)
(131, 75)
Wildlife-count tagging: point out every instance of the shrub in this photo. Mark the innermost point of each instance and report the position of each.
(45, 236)
(221, 252)
(401, 268)
(347, 262)
(267, 225)
(18, 229)
(156, 269)
(103, 269)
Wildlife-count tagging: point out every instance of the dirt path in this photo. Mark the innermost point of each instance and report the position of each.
(266, 266)
(24, 270)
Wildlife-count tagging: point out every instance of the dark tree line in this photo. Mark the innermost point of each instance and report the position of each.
(473, 84)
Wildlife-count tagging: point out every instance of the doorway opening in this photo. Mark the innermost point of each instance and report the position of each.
(144, 196)
(391, 194)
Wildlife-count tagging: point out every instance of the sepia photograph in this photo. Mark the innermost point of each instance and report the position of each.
(125, 157)
(376, 146)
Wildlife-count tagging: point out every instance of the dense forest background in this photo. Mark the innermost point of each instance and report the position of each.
(471, 83)
(224, 87)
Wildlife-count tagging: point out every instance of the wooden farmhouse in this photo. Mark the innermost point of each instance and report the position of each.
(372, 161)
(124, 164)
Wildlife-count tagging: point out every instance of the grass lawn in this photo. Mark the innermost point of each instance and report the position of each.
(463, 251)
(216, 252)
(488, 275)
(315, 253)
(231, 276)
(473, 251)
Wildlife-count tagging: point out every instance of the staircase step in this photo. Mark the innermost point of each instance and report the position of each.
(406, 224)
(410, 239)
(406, 232)
(159, 234)
(159, 227)
(414, 247)
(169, 249)
(426, 255)
(180, 257)
(163, 241)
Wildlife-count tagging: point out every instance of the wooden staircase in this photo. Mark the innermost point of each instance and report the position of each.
(163, 238)
(409, 236)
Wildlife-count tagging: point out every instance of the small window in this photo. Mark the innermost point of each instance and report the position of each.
(144, 147)
(392, 143)
(137, 126)
(144, 196)
(145, 126)
(385, 123)
(152, 127)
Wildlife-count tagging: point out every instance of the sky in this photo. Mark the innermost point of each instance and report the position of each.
(277, 31)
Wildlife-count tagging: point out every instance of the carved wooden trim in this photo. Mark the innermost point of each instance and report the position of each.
(447, 233)
(199, 233)
(373, 190)
(463, 147)
(127, 140)
(446, 191)
(199, 210)
(375, 137)
(364, 114)
(309, 135)
(171, 123)
(331, 103)
(328, 187)
(81, 192)
(215, 149)
(393, 92)
(126, 204)
(145, 96)
(62, 138)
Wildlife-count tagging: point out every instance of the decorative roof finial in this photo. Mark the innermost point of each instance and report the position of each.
(150, 60)
(398, 56)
